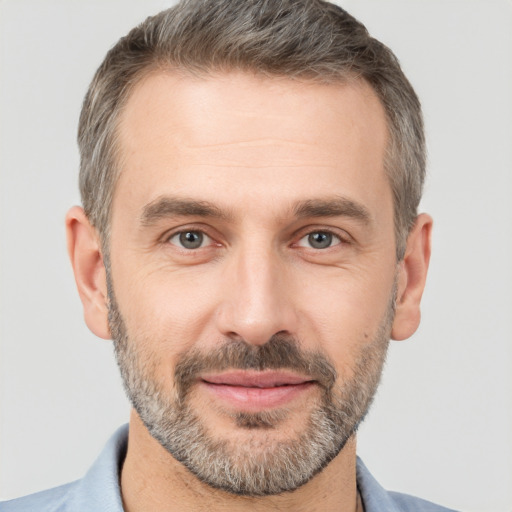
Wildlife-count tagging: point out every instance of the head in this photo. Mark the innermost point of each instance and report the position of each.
(250, 178)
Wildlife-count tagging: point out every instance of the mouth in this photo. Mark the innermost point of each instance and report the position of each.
(252, 391)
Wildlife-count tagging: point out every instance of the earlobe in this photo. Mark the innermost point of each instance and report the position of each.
(86, 259)
(411, 279)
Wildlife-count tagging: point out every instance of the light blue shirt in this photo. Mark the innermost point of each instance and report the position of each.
(98, 490)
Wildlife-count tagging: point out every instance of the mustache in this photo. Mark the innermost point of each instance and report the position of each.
(280, 352)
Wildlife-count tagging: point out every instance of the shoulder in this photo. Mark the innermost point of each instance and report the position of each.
(407, 503)
(377, 499)
(97, 490)
(50, 500)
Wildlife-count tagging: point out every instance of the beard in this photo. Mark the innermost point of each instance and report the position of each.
(263, 464)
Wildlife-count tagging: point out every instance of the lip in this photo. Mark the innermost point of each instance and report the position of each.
(256, 390)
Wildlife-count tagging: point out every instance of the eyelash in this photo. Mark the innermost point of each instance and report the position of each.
(201, 231)
(327, 232)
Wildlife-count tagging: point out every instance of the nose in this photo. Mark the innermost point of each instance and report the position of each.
(257, 297)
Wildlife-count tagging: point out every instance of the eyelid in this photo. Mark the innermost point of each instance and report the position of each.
(168, 235)
(204, 243)
(339, 233)
(336, 240)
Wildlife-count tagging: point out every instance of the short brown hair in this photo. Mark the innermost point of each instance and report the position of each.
(300, 39)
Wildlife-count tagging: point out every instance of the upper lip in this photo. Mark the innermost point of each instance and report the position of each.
(256, 379)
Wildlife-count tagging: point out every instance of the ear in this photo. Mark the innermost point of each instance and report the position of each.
(412, 274)
(86, 259)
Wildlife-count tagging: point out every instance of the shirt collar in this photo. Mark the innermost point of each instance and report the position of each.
(100, 487)
(375, 497)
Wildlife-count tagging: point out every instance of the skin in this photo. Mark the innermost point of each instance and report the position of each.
(255, 149)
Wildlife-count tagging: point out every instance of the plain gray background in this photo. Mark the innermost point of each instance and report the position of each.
(441, 426)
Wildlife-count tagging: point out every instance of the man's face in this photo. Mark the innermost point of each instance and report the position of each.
(252, 271)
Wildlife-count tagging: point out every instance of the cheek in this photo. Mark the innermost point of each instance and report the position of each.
(169, 310)
(344, 314)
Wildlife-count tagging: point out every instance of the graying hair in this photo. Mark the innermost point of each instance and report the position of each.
(300, 39)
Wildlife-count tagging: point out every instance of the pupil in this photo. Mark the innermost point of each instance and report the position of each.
(320, 240)
(191, 239)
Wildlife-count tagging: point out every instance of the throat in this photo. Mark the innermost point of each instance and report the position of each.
(152, 479)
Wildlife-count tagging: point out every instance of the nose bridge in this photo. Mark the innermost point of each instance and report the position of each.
(255, 305)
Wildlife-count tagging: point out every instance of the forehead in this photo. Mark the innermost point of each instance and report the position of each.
(268, 135)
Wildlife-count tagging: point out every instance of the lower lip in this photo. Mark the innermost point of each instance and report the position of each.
(255, 399)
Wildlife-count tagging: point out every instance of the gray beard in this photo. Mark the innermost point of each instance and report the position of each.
(261, 466)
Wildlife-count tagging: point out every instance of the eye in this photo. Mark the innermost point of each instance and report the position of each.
(319, 240)
(190, 239)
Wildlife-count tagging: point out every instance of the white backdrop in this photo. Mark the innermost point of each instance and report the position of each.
(442, 423)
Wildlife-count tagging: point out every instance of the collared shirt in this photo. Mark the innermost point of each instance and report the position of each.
(99, 491)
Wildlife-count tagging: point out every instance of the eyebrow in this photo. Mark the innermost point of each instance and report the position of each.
(335, 207)
(168, 206)
(165, 207)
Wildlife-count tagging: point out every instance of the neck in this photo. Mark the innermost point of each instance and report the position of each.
(152, 480)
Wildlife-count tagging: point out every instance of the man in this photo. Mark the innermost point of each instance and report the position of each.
(249, 238)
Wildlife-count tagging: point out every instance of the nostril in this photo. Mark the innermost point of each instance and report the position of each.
(233, 336)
